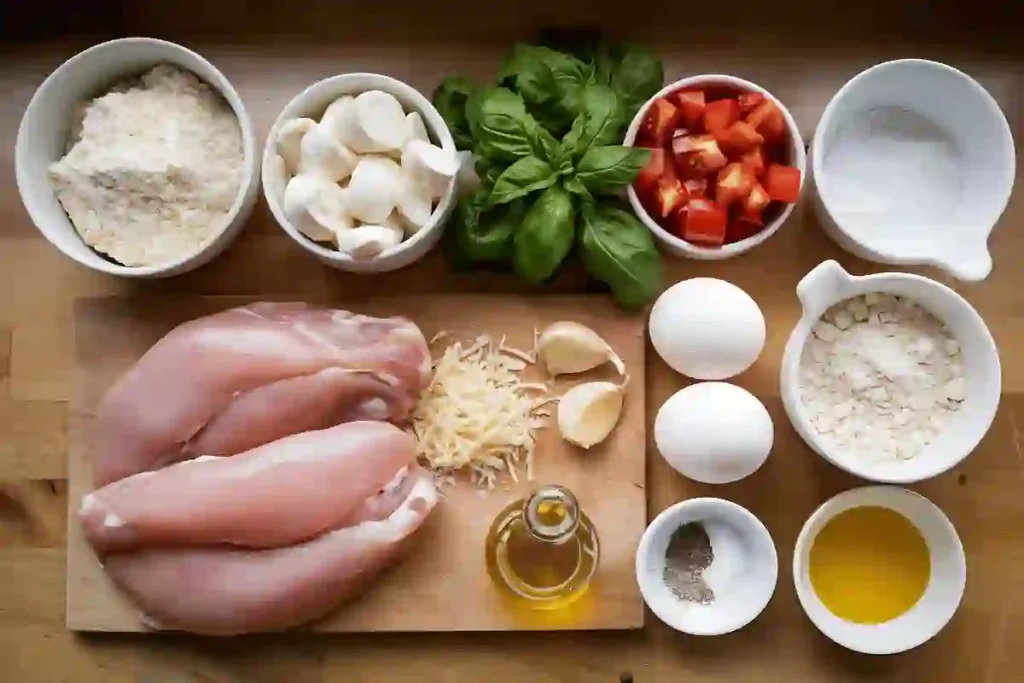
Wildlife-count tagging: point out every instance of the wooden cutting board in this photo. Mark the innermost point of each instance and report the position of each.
(442, 584)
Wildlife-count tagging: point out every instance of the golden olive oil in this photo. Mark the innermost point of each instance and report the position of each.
(542, 551)
(869, 565)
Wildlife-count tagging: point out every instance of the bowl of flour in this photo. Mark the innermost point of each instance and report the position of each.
(136, 158)
(892, 377)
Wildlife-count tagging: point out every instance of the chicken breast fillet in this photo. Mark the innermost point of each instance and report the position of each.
(274, 495)
(228, 591)
(228, 382)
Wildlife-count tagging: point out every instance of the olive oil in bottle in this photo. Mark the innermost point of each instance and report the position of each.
(542, 550)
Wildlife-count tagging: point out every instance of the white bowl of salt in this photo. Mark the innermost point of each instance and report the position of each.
(913, 163)
(706, 566)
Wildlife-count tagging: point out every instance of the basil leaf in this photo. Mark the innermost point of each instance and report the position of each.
(604, 170)
(550, 83)
(638, 74)
(576, 186)
(545, 236)
(501, 126)
(522, 178)
(600, 121)
(477, 235)
(619, 251)
(449, 99)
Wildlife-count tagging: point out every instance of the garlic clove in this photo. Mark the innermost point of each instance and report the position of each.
(368, 241)
(373, 123)
(416, 129)
(568, 347)
(430, 165)
(302, 193)
(320, 152)
(289, 142)
(374, 189)
(588, 412)
(415, 204)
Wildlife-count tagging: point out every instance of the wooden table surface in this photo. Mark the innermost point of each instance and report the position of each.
(802, 50)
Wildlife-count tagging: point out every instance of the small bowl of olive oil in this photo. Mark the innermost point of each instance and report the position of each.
(879, 569)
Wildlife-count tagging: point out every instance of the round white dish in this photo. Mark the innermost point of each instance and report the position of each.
(45, 129)
(828, 284)
(935, 608)
(913, 163)
(742, 575)
(311, 103)
(681, 247)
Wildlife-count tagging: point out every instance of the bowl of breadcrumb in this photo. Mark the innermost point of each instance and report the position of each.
(136, 158)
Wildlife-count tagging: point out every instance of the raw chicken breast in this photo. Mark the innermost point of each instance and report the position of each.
(279, 494)
(227, 591)
(230, 381)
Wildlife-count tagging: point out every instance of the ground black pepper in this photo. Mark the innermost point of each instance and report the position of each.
(688, 555)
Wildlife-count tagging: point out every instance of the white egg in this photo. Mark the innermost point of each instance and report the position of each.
(374, 189)
(707, 329)
(714, 432)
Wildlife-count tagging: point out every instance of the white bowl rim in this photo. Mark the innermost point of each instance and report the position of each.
(665, 517)
(744, 245)
(424, 106)
(249, 175)
(826, 511)
(789, 368)
(821, 179)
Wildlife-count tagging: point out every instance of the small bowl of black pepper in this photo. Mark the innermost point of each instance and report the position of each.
(707, 566)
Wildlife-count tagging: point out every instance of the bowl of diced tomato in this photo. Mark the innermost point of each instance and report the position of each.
(726, 167)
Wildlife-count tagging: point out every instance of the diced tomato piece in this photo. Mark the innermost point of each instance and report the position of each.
(696, 187)
(697, 156)
(767, 120)
(740, 228)
(691, 105)
(754, 160)
(661, 120)
(748, 101)
(668, 196)
(649, 175)
(738, 138)
(704, 222)
(720, 115)
(734, 184)
(755, 203)
(782, 183)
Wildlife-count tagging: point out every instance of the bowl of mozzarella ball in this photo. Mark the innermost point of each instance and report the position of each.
(359, 169)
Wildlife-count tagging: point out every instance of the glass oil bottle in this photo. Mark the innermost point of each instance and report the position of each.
(542, 551)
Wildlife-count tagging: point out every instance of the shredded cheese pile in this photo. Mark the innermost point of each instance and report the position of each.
(478, 413)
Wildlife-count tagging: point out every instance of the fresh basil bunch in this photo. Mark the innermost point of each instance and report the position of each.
(546, 145)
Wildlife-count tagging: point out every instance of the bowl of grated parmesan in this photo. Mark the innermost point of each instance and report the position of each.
(136, 158)
(892, 377)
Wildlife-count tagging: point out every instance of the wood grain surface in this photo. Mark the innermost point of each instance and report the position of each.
(802, 50)
(445, 565)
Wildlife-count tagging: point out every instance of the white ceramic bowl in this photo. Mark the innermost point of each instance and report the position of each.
(828, 284)
(742, 575)
(681, 247)
(935, 608)
(311, 103)
(45, 130)
(913, 163)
